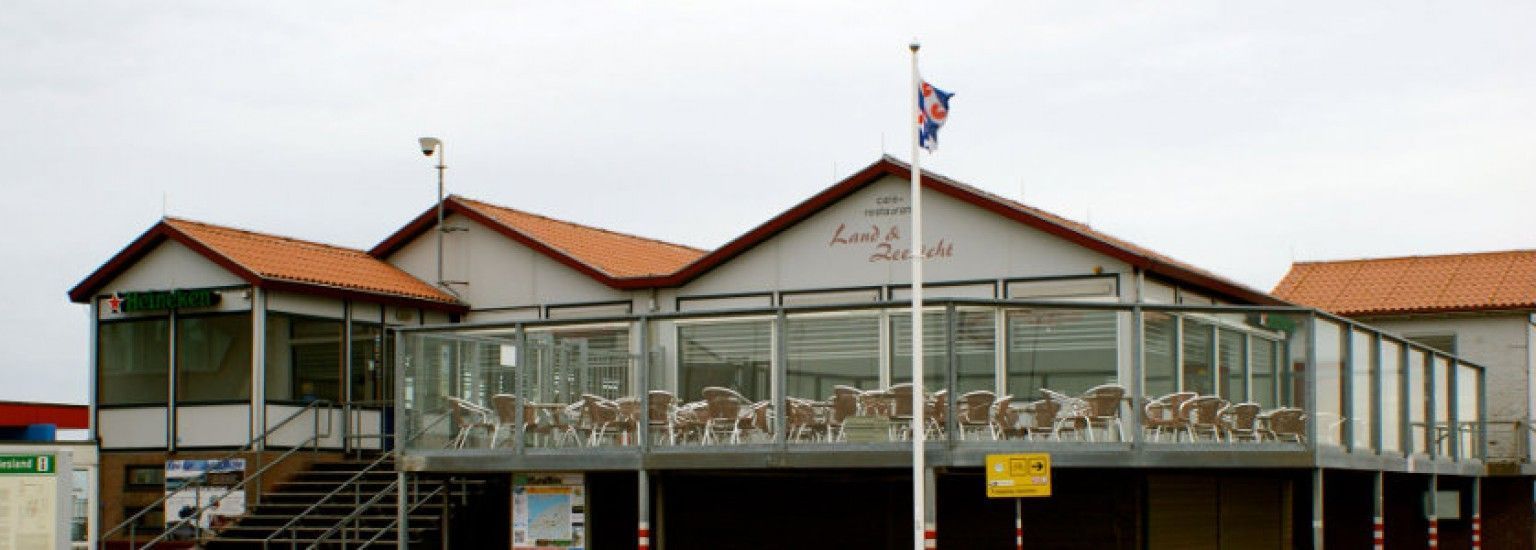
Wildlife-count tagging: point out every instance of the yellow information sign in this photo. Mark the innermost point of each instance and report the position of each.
(1019, 475)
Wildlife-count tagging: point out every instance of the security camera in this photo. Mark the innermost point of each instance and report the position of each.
(429, 145)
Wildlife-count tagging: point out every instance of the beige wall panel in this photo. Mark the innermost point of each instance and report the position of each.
(132, 428)
(213, 426)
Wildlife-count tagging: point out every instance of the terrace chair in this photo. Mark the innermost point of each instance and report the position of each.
(688, 421)
(598, 415)
(843, 406)
(468, 417)
(757, 420)
(1200, 415)
(659, 416)
(875, 403)
(1004, 418)
(975, 411)
(506, 406)
(1104, 409)
(901, 399)
(1071, 415)
(1287, 424)
(1043, 419)
(1240, 421)
(800, 419)
(936, 414)
(723, 406)
(1164, 414)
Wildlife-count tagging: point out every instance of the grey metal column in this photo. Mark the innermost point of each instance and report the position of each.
(1477, 513)
(346, 376)
(952, 361)
(1347, 390)
(1378, 528)
(1317, 509)
(1434, 510)
(1138, 371)
(930, 510)
(644, 531)
(520, 339)
(643, 423)
(780, 369)
(402, 538)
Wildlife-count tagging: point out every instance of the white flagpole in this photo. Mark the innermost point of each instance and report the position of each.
(919, 499)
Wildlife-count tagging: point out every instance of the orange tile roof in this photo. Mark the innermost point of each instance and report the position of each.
(271, 257)
(1415, 284)
(616, 255)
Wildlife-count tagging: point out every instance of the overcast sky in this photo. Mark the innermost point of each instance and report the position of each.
(1237, 136)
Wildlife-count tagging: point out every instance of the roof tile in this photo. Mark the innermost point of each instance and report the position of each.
(616, 254)
(305, 262)
(1413, 284)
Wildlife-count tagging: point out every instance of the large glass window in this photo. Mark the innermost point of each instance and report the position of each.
(371, 374)
(1261, 355)
(213, 357)
(1063, 350)
(1197, 357)
(1443, 426)
(1329, 382)
(569, 362)
(1416, 378)
(133, 359)
(1231, 346)
(827, 351)
(1362, 389)
(733, 354)
(1391, 396)
(303, 358)
(1160, 337)
(974, 350)
(1468, 410)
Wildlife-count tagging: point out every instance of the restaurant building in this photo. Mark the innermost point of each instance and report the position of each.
(753, 396)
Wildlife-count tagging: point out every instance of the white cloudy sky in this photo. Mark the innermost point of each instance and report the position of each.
(1234, 135)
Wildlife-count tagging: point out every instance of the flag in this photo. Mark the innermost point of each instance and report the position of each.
(933, 110)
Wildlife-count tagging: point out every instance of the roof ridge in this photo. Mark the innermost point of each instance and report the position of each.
(577, 224)
(252, 232)
(1418, 256)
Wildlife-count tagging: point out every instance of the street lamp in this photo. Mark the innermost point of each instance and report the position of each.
(430, 145)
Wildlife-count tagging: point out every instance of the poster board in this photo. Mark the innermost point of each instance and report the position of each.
(549, 511)
(222, 476)
(34, 506)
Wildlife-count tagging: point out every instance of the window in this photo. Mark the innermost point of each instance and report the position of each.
(303, 358)
(832, 350)
(213, 357)
(1442, 342)
(566, 363)
(1067, 351)
(371, 374)
(1197, 357)
(144, 478)
(974, 344)
(1161, 339)
(133, 360)
(734, 354)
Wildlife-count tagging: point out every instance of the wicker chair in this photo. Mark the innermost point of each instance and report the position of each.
(723, 406)
(1240, 421)
(1200, 415)
(975, 411)
(1004, 418)
(506, 406)
(1104, 409)
(1044, 414)
(468, 417)
(1287, 424)
(1165, 415)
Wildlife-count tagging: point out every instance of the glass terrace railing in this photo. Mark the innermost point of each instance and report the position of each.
(997, 373)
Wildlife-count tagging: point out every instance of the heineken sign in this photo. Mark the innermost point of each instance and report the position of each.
(26, 464)
(160, 300)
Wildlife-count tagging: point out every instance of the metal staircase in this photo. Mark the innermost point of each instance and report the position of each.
(348, 504)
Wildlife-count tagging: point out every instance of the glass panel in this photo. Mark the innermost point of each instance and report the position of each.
(1261, 356)
(1160, 335)
(731, 354)
(1197, 357)
(1362, 389)
(303, 358)
(370, 372)
(1467, 414)
(1067, 351)
(828, 351)
(213, 357)
(1442, 396)
(1391, 396)
(1329, 347)
(935, 350)
(1230, 362)
(1417, 380)
(134, 362)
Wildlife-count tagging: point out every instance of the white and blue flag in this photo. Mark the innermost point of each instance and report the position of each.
(933, 110)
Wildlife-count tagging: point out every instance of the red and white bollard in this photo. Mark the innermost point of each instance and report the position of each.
(1379, 534)
(645, 536)
(1434, 533)
(1018, 534)
(1477, 531)
(930, 536)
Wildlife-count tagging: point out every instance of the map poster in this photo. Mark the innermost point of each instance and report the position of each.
(222, 475)
(32, 502)
(549, 512)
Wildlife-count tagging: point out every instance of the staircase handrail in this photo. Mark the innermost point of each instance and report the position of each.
(385, 529)
(355, 477)
(202, 478)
